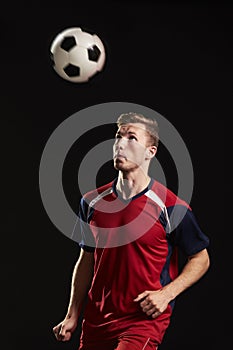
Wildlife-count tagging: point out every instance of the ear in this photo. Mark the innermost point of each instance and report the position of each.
(151, 152)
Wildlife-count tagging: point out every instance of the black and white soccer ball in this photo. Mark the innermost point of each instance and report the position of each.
(77, 55)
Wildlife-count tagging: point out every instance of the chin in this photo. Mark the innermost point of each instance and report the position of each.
(119, 165)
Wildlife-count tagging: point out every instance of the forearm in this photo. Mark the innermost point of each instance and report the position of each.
(193, 270)
(81, 281)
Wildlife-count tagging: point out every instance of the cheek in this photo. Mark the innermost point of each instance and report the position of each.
(137, 152)
(138, 149)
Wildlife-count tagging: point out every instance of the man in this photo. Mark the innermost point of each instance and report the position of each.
(131, 231)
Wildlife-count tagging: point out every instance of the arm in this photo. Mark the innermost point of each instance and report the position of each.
(155, 302)
(81, 281)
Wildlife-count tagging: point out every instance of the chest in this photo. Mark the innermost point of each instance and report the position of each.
(118, 223)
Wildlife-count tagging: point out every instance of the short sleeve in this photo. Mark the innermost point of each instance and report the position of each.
(87, 241)
(187, 234)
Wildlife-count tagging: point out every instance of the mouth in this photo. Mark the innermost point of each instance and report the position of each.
(119, 156)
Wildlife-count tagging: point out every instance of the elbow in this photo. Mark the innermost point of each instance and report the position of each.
(206, 263)
(205, 258)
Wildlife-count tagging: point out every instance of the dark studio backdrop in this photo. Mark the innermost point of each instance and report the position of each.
(173, 57)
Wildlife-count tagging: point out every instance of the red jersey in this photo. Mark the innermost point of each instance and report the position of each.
(135, 248)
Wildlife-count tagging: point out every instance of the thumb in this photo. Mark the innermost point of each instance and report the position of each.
(63, 330)
(64, 334)
(141, 296)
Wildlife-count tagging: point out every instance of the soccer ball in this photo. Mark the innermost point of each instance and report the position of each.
(77, 55)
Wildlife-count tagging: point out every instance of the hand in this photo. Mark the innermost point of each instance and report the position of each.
(63, 331)
(153, 303)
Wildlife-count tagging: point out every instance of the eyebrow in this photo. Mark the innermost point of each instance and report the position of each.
(127, 132)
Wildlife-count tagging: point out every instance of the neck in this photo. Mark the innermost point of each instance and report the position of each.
(129, 185)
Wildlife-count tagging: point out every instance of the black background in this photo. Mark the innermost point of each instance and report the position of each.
(173, 57)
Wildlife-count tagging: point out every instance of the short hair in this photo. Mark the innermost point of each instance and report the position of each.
(151, 125)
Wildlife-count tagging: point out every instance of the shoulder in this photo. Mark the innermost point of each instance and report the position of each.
(169, 198)
(91, 195)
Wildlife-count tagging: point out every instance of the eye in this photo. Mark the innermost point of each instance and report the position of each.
(132, 137)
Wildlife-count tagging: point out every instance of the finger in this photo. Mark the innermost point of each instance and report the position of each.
(64, 334)
(67, 336)
(62, 331)
(141, 296)
(151, 311)
(59, 337)
(148, 307)
(156, 314)
(145, 303)
(56, 330)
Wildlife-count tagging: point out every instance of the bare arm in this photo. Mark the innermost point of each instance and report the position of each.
(81, 281)
(155, 302)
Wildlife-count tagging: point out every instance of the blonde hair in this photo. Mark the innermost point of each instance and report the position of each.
(151, 125)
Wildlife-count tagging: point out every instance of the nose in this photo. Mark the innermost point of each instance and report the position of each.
(120, 143)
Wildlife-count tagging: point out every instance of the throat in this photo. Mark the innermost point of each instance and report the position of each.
(128, 188)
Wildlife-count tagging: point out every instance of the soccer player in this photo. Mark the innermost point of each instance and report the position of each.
(131, 230)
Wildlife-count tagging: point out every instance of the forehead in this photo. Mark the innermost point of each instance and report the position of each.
(136, 128)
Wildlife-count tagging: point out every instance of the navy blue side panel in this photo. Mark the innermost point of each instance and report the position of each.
(165, 277)
(87, 241)
(163, 220)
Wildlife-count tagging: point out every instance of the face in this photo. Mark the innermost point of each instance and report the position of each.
(131, 149)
